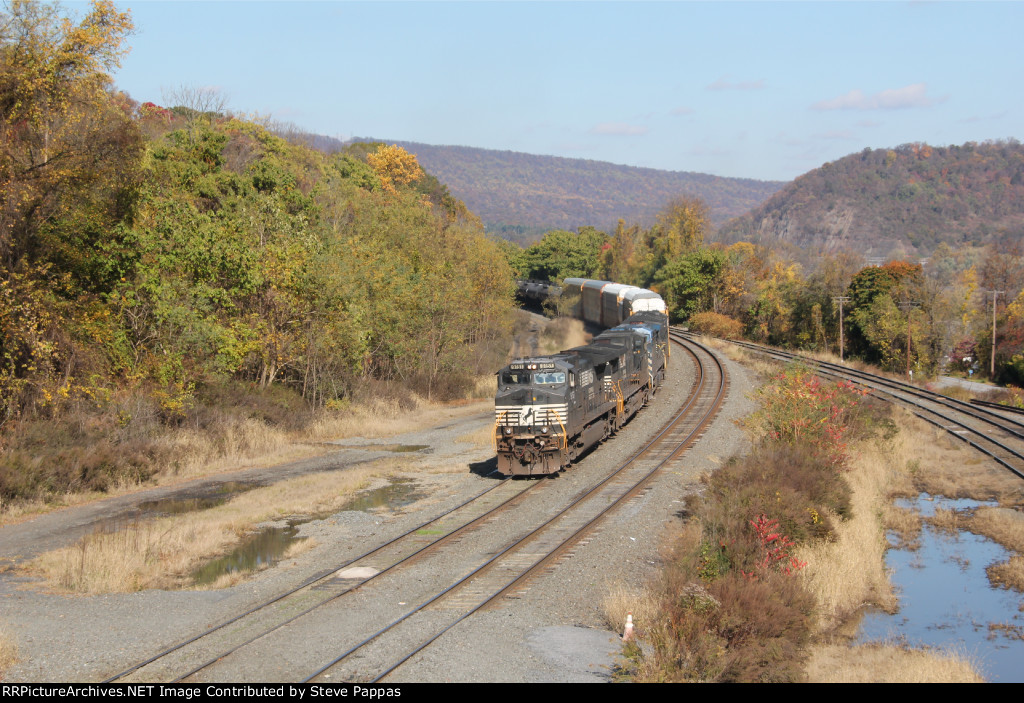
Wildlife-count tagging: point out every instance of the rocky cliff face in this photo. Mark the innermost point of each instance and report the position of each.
(890, 204)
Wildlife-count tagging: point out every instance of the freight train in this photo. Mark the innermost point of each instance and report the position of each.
(550, 410)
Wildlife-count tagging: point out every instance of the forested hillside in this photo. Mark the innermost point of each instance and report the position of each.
(156, 262)
(890, 203)
(522, 195)
(788, 297)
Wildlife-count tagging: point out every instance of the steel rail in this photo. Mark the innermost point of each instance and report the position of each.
(436, 544)
(566, 542)
(891, 388)
(1006, 424)
(324, 575)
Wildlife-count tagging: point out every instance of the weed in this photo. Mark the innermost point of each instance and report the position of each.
(878, 663)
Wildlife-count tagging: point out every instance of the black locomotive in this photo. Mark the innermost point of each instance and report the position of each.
(549, 410)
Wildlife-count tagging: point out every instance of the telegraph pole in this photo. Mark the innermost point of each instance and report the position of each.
(992, 370)
(840, 299)
(907, 306)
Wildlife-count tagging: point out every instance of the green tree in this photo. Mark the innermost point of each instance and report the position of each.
(561, 254)
(688, 283)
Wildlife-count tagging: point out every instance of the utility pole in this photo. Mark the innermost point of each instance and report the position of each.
(840, 299)
(992, 370)
(907, 306)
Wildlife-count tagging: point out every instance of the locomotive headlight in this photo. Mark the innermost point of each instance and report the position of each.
(507, 430)
(545, 430)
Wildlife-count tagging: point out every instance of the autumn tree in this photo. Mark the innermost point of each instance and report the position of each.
(394, 166)
(69, 154)
(680, 227)
(68, 145)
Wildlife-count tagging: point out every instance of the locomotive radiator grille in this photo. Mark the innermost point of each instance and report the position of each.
(531, 415)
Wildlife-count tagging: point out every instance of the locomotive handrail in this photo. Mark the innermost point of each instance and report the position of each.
(565, 433)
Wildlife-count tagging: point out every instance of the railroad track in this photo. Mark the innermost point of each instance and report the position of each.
(187, 658)
(992, 433)
(375, 614)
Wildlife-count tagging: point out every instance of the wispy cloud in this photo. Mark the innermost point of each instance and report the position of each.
(915, 95)
(724, 83)
(618, 129)
(681, 110)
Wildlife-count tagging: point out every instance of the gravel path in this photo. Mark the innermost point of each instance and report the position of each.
(552, 632)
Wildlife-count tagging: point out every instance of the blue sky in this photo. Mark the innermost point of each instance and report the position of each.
(763, 90)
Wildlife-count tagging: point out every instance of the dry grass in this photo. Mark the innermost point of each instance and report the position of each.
(848, 572)
(483, 437)
(947, 467)
(876, 663)
(163, 553)
(1006, 527)
(623, 599)
(1008, 574)
(249, 443)
(1001, 525)
(8, 651)
(235, 444)
(957, 393)
(761, 365)
(905, 523)
(947, 520)
(562, 333)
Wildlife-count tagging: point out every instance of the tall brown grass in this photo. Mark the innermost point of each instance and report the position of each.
(847, 572)
(1008, 574)
(96, 452)
(875, 663)
(163, 553)
(722, 616)
(1005, 526)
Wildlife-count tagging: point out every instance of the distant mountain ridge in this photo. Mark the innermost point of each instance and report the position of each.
(521, 195)
(894, 203)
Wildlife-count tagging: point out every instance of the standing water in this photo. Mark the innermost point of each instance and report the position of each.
(946, 600)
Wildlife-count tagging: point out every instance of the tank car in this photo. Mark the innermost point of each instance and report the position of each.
(550, 410)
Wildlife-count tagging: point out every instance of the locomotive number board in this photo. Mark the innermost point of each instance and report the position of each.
(532, 366)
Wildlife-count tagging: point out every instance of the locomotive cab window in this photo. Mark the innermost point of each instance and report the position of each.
(514, 378)
(549, 379)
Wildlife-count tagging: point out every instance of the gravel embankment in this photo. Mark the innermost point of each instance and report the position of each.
(552, 632)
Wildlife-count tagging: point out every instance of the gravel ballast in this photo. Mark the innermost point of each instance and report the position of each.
(554, 631)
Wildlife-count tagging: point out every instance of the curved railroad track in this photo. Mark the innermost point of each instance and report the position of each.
(478, 575)
(992, 433)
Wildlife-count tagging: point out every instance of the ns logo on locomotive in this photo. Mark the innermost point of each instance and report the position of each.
(550, 410)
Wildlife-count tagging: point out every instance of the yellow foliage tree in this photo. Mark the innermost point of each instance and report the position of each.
(61, 126)
(394, 166)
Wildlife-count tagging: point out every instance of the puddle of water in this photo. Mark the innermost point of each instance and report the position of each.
(263, 548)
(398, 493)
(946, 600)
(219, 495)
